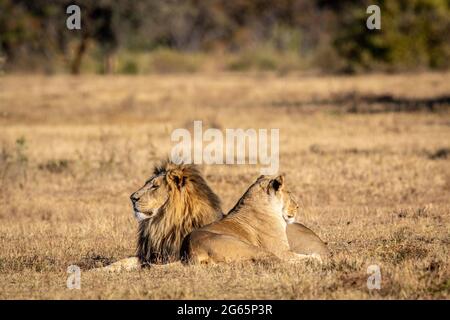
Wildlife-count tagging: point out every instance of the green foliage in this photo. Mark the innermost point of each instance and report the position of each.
(256, 59)
(129, 67)
(265, 58)
(414, 35)
(175, 36)
(170, 61)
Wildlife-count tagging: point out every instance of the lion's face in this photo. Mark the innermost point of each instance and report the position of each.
(172, 203)
(281, 199)
(290, 208)
(150, 198)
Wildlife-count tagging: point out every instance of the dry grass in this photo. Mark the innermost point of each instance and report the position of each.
(374, 183)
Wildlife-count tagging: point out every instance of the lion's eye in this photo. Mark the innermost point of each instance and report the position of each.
(155, 186)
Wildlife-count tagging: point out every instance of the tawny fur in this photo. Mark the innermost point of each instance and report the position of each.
(191, 205)
(186, 208)
(255, 228)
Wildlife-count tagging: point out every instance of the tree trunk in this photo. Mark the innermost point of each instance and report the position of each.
(76, 63)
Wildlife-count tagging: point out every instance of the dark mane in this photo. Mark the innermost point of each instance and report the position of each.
(189, 208)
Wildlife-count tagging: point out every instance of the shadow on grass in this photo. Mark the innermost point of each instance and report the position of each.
(355, 103)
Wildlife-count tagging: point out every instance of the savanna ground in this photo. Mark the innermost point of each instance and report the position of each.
(368, 156)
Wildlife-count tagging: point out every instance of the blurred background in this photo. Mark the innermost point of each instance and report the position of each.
(364, 119)
(142, 37)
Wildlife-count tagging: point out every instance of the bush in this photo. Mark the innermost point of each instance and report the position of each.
(414, 35)
(265, 59)
(129, 67)
(170, 61)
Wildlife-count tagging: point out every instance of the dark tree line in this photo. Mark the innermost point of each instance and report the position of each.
(414, 32)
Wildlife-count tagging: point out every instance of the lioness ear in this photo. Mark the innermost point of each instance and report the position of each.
(278, 183)
(177, 178)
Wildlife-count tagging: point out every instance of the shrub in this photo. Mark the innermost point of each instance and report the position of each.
(414, 35)
(170, 61)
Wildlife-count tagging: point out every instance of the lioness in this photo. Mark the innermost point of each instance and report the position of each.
(255, 228)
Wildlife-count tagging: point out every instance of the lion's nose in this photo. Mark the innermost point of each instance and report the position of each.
(134, 197)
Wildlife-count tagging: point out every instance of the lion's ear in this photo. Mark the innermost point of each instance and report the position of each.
(277, 184)
(177, 177)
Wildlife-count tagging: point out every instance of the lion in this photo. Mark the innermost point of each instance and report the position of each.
(172, 203)
(177, 200)
(303, 240)
(255, 228)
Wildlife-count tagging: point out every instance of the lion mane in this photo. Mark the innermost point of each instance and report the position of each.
(191, 204)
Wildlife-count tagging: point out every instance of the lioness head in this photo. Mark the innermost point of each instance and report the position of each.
(290, 208)
(271, 192)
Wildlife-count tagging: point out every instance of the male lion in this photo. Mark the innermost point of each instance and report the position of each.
(255, 228)
(173, 202)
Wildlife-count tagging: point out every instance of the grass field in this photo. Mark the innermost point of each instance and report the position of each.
(368, 156)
